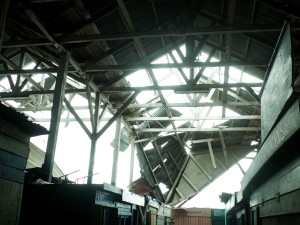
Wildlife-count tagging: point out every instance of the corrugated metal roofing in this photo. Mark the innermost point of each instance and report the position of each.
(29, 128)
(133, 33)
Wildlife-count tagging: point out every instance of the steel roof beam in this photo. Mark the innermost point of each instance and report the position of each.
(255, 28)
(77, 118)
(242, 117)
(195, 129)
(199, 104)
(4, 5)
(223, 147)
(117, 114)
(230, 150)
(184, 89)
(92, 69)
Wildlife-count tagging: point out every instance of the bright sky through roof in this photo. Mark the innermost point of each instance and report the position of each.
(73, 146)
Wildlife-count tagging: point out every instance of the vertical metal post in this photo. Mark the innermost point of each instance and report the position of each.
(116, 152)
(94, 138)
(131, 159)
(4, 4)
(56, 113)
(92, 158)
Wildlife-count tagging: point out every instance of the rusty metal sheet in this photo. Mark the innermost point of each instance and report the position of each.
(284, 181)
(278, 85)
(287, 126)
(191, 220)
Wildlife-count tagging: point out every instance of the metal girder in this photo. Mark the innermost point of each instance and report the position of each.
(92, 69)
(77, 118)
(255, 28)
(26, 43)
(195, 118)
(24, 72)
(117, 114)
(199, 74)
(134, 105)
(90, 105)
(231, 129)
(175, 184)
(178, 89)
(4, 5)
(194, 104)
(223, 146)
(96, 115)
(229, 149)
(40, 92)
(211, 153)
(163, 163)
(57, 45)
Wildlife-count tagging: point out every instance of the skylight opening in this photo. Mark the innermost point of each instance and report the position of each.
(164, 189)
(139, 78)
(29, 66)
(171, 97)
(157, 167)
(251, 154)
(250, 79)
(187, 147)
(162, 60)
(149, 146)
(145, 96)
(164, 144)
(166, 77)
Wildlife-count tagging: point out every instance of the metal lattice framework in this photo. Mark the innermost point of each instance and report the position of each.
(53, 51)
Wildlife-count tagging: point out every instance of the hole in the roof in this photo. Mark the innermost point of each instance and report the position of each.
(163, 187)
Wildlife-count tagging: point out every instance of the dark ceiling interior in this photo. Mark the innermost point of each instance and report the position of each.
(109, 40)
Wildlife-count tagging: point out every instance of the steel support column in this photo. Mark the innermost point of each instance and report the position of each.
(56, 113)
(116, 152)
(131, 159)
(93, 137)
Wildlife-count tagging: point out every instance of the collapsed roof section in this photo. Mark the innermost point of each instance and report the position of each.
(193, 106)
